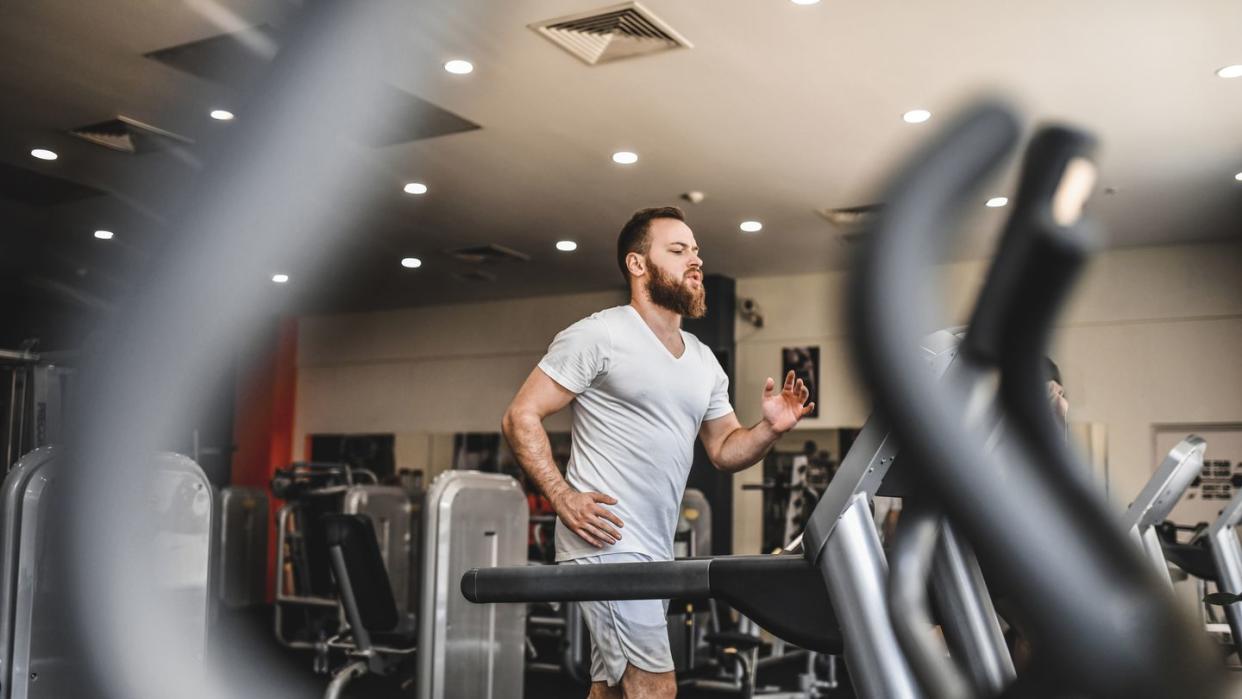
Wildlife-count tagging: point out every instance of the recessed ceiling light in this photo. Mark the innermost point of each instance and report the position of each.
(805, 2)
(280, 278)
(624, 157)
(221, 115)
(916, 116)
(459, 67)
(415, 188)
(103, 235)
(997, 202)
(566, 245)
(751, 226)
(44, 154)
(1238, 177)
(1234, 71)
(411, 262)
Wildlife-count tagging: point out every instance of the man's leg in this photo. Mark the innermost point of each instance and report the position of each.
(601, 690)
(624, 633)
(640, 684)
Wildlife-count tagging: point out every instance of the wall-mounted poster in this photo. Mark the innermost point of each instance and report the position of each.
(804, 363)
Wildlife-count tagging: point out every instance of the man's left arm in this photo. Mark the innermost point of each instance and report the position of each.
(732, 447)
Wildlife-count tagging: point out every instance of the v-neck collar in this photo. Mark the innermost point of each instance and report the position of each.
(685, 346)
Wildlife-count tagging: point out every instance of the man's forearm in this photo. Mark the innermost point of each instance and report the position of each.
(529, 443)
(745, 447)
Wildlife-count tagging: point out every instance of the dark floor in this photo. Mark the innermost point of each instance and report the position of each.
(252, 663)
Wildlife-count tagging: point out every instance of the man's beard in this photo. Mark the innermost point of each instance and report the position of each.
(667, 292)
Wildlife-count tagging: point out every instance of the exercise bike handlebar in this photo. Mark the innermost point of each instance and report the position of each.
(1091, 606)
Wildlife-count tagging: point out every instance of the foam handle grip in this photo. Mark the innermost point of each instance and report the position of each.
(577, 583)
(1044, 164)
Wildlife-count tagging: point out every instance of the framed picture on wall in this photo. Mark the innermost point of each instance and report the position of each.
(804, 363)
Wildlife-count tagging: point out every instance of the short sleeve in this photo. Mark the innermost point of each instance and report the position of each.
(719, 405)
(578, 354)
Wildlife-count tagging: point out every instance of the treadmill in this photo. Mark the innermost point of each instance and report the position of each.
(984, 454)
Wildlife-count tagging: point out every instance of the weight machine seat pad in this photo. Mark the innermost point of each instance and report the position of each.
(355, 535)
(1195, 559)
(784, 594)
(734, 639)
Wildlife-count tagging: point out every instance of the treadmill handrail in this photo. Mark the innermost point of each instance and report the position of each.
(686, 578)
(784, 594)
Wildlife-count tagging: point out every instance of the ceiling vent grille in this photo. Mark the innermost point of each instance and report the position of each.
(488, 254)
(850, 216)
(130, 136)
(851, 220)
(611, 33)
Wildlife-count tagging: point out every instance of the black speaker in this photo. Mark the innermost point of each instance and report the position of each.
(715, 329)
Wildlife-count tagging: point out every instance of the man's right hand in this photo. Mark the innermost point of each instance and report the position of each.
(585, 516)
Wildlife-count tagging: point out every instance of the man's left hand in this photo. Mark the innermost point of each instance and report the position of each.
(783, 410)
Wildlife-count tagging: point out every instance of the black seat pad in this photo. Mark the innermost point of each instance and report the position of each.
(355, 536)
(1192, 558)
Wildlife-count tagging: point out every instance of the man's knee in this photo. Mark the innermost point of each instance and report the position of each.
(640, 684)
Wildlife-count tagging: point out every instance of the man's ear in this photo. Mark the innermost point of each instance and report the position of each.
(636, 264)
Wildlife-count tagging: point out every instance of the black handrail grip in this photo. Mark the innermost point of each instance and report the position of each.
(577, 583)
(784, 594)
(1043, 165)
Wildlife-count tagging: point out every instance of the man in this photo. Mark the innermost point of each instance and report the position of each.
(1056, 392)
(641, 389)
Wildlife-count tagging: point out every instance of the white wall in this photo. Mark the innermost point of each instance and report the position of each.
(423, 373)
(1154, 336)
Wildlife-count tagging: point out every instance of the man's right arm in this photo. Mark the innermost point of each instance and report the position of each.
(538, 398)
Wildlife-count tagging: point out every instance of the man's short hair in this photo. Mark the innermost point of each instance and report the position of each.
(634, 237)
(1052, 372)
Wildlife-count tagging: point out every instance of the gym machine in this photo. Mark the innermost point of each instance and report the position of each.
(998, 468)
(35, 390)
(1214, 555)
(241, 547)
(1157, 499)
(391, 560)
(37, 657)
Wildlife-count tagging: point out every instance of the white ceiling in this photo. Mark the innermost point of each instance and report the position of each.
(777, 111)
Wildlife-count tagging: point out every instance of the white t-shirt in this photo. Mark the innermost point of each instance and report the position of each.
(635, 419)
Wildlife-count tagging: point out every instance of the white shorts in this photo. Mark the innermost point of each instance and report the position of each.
(626, 632)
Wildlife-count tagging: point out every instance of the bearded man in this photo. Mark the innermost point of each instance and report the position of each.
(641, 389)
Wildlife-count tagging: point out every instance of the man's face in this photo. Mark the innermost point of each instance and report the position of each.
(1060, 404)
(674, 271)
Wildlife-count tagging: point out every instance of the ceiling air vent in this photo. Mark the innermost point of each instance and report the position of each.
(611, 33)
(851, 220)
(130, 136)
(487, 254)
(850, 216)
